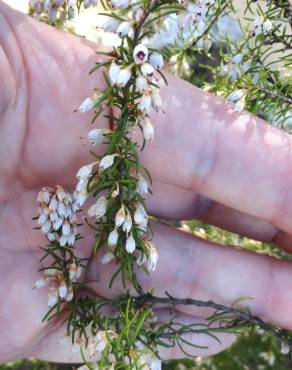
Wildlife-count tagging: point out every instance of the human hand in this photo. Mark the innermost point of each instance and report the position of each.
(206, 161)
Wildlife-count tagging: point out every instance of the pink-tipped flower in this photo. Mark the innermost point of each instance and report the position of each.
(120, 216)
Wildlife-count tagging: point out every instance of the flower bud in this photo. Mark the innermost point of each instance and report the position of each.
(141, 83)
(124, 77)
(237, 59)
(140, 214)
(113, 237)
(267, 26)
(40, 283)
(127, 225)
(114, 71)
(156, 99)
(152, 258)
(86, 105)
(99, 208)
(120, 216)
(66, 228)
(119, 4)
(52, 297)
(96, 136)
(138, 13)
(109, 24)
(107, 161)
(63, 290)
(124, 29)
(89, 3)
(142, 185)
(148, 130)
(156, 60)
(145, 103)
(85, 171)
(130, 244)
(147, 69)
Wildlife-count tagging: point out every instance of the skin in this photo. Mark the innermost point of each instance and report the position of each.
(207, 162)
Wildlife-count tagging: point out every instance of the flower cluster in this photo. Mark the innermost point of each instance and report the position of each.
(261, 26)
(59, 287)
(66, 8)
(236, 67)
(57, 215)
(97, 342)
(193, 13)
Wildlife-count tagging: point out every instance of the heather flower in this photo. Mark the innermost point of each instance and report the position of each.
(130, 244)
(120, 216)
(142, 187)
(123, 77)
(113, 237)
(140, 54)
(119, 4)
(127, 224)
(141, 83)
(147, 69)
(148, 129)
(107, 161)
(124, 29)
(97, 136)
(144, 104)
(98, 209)
(57, 216)
(114, 72)
(156, 60)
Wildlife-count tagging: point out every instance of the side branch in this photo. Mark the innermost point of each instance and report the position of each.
(238, 313)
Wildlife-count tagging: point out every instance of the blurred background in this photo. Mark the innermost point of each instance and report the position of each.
(253, 350)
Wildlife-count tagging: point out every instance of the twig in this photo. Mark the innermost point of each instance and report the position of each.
(237, 312)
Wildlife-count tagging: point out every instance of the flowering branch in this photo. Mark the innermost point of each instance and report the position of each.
(128, 335)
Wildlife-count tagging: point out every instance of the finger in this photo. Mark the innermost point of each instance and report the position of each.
(169, 201)
(51, 73)
(173, 202)
(191, 267)
(236, 160)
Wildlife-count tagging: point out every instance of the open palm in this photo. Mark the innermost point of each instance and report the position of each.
(207, 163)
